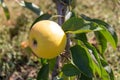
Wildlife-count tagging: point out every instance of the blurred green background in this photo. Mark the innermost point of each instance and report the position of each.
(17, 63)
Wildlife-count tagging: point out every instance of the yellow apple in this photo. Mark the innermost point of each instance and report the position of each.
(47, 39)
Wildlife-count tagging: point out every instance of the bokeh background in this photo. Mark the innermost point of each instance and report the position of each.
(17, 63)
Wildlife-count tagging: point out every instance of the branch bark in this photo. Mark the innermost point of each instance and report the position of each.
(61, 10)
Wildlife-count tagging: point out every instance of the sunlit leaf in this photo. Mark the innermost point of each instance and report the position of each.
(99, 69)
(70, 70)
(43, 61)
(87, 28)
(100, 64)
(73, 24)
(5, 8)
(30, 6)
(107, 68)
(109, 38)
(95, 56)
(108, 30)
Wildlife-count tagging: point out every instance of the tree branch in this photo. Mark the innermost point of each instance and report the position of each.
(61, 10)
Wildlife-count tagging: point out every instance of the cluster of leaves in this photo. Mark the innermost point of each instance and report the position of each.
(88, 59)
(86, 62)
(31, 6)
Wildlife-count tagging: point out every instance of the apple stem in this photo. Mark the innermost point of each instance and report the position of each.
(61, 10)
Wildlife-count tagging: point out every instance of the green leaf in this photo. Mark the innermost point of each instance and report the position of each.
(109, 37)
(97, 63)
(72, 24)
(87, 28)
(100, 64)
(82, 59)
(102, 42)
(108, 29)
(105, 75)
(95, 57)
(94, 51)
(99, 69)
(43, 61)
(30, 6)
(52, 63)
(70, 70)
(97, 66)
(81, 36)
(5, 8)
(42, 17)
(83, 77)
(107, 68)
(43, 73)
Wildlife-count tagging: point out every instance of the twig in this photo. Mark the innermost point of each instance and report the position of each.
(61, 9)
(55, 71)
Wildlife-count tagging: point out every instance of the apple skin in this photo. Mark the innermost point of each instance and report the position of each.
(47, 39)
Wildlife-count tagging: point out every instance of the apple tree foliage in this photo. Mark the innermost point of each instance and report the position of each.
(84, 60)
